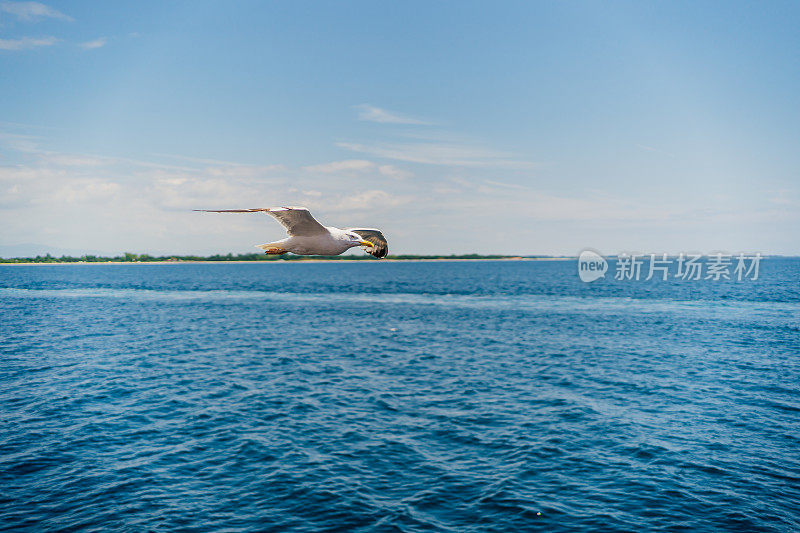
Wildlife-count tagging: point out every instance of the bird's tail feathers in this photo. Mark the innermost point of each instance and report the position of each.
(273, 248)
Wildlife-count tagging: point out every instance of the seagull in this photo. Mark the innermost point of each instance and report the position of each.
(309, 237)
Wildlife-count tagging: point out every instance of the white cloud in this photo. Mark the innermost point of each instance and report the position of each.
(358, 166)
(83, 191)
(112, 204)
(73, 160)
(32, 11)
(394, 172)
(235, 171)
(438, 153)
(183, 192)
(91, 45)
(26, 43)
(370, 200)
(18, 142)
(370, 113)
(349, 165)
(507, 185)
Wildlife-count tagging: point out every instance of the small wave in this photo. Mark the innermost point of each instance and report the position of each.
(526, 303)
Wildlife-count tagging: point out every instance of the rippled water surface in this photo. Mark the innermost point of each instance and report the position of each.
(406, 396)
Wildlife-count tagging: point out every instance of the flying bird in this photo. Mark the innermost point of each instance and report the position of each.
(309, 237)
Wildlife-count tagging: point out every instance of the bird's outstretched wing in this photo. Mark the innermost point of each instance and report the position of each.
(296, 220)
(380, 247)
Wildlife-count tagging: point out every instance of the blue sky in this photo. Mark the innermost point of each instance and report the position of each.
(510, 127)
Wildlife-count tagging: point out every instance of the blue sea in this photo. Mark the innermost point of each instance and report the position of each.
(397, 396)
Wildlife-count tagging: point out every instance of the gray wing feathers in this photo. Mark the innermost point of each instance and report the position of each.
(380, 248)
(296, 220)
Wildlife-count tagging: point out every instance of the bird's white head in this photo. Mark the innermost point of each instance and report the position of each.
(357, 240)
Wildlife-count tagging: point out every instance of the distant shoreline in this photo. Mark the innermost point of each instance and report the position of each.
(284, 262)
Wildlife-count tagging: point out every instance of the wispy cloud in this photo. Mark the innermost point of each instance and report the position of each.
(438, 153)
(91, 45)
(394, 172)
(18, 142)
(73, 160)
(370, 113)
(218, 168)
(507, 185)
(358, 166)
(26, 43)
(32, 11)
(349, 165)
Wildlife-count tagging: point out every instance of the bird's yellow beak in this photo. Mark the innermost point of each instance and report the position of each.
(366, 243)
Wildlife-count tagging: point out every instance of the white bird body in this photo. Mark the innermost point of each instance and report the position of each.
(309, 237)
(335, 243)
